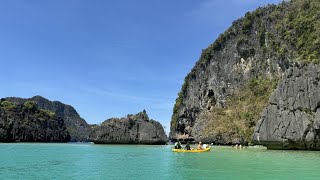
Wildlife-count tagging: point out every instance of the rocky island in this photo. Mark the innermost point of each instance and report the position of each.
(133, 129)
(28, 123)
(77, 126)
(258, 82)
(37, 119)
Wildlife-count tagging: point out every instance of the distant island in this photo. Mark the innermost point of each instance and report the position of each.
(77, 127)
(133, 129)
(39, 120)
(26, 122)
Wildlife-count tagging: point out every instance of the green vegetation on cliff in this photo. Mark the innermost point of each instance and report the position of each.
(7, 105)
(300, 28)
(263, 43)
(174, 118)
(76, 126)
(28, 123)
(241, 112)
(296, 32)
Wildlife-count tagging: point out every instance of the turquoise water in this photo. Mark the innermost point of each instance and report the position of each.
(89, 161)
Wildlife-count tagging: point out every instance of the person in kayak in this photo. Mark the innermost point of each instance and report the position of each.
(177, 145)
(200, 145)
(187, 146)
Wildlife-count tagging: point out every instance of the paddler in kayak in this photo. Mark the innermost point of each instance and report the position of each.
(177, 145)
(187, 146)
(200, 145)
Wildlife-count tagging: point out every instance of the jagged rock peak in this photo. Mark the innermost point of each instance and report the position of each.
(133, 129)
(140, 116)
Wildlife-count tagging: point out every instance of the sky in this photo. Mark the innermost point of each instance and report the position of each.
(109, 58)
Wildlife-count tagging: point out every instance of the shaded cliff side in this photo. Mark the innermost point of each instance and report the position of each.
(77, 127)
(28, 123)
(216, 102)
(292, 117)
(133, 129)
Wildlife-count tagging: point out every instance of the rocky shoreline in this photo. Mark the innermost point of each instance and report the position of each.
(37, 119)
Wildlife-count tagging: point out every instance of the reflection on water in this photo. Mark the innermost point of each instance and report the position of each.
(83, 161)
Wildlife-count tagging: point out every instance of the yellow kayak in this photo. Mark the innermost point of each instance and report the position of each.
(194, 150)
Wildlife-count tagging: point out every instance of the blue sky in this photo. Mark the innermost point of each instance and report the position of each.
(109, 58)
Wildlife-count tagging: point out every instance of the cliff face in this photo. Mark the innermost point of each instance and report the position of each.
(77, 127)
(292, 118)
(39, 125)
(27, 123)
(260, 46)
(134, 129)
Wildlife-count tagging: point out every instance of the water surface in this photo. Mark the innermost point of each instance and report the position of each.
(89, 161)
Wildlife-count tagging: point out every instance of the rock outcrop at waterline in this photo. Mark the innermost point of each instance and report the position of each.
(292, 118)
(53, 121)
(77, 127)
(28, 123)
(134, 129)
(218, 98)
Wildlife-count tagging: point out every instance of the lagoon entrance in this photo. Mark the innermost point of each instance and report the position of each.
(89, 161)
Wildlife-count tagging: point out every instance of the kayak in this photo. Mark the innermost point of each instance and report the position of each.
(194, 150)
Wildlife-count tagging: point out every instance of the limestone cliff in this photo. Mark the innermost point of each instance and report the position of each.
(257, 48)
(77, 127)
(292, 118)
(134, 129)
(28, 123)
